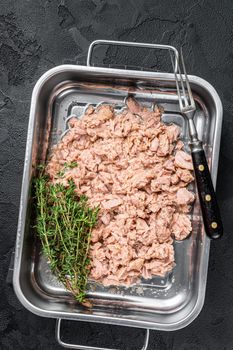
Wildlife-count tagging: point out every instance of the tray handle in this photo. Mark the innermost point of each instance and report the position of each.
(85, 347)
(171, 49)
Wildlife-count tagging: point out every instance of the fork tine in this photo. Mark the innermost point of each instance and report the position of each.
(183, 102)
(186, 79)
(177, 83)
(186, 103)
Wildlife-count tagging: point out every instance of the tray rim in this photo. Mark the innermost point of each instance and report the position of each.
(116, 73)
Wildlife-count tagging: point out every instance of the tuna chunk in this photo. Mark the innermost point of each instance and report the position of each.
(183, 196)
(134, 168)
(136, 264)
(172, 132)
(154, 144)
(164, 146)
(105, 218)
(181, 226)
(185, 175)
(112, 203)
(183, 160)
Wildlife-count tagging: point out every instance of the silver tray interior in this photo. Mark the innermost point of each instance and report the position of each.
(160, 303)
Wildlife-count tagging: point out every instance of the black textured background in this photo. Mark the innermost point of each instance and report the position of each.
(38, 35)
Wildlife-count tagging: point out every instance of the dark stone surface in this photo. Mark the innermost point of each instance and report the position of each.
(38, 35)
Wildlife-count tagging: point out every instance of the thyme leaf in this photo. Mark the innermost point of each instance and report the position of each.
(64, 223)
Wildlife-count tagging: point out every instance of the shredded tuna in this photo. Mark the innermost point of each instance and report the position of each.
(134, 168)
(181, 226)
(183, 160)
(184, 196)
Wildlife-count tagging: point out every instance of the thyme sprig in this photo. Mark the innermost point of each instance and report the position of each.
(67, 166)
(64, 223)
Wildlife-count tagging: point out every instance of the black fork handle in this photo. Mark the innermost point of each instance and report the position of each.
(207, 196)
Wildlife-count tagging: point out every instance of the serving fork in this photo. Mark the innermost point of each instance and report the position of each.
(207, 196)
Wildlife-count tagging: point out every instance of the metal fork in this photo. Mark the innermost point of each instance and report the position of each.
(207, 197)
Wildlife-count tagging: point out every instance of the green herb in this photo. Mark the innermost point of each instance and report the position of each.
(64, 224)
(61, 173)
(71, 165)
(66, 166)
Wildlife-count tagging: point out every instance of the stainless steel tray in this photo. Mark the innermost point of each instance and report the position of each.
(168, 303)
